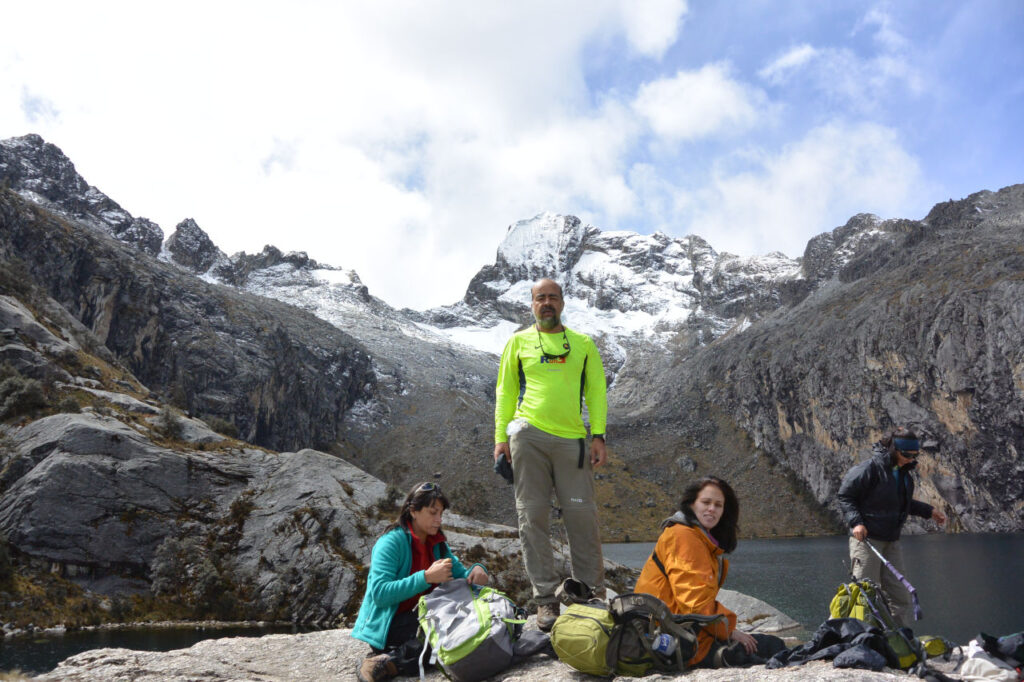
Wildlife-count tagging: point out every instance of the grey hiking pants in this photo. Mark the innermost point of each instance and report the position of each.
(865, 564)
(540, 462)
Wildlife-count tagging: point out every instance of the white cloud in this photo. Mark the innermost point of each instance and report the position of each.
(858, 81)
(886, 34)
(695, 104)
(791, 60)
(652, 26)
(384, 137)
(399, 139)
(782, 200)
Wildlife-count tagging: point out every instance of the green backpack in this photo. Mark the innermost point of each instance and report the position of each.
(580, 637)
(471, 631)
(859, 600)
(635, 634)
(863, 600)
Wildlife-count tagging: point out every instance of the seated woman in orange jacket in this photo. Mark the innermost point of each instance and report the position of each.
(687, 568)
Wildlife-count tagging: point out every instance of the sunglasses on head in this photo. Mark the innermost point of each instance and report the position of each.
(429, 487)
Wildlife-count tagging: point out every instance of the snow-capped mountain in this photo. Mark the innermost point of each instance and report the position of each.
(621, 287)
(625, 289)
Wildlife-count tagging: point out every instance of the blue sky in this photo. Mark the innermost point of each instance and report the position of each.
(400, 139)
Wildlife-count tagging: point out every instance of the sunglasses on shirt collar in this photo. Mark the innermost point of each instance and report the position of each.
(553, 356)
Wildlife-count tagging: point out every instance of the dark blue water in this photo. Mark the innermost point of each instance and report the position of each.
(42, 653)
(966, 583)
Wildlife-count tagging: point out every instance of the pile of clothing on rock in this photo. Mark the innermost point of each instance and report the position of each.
(994, 659)
(852, 643)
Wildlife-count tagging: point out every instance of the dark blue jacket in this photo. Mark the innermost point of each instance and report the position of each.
(870, 495)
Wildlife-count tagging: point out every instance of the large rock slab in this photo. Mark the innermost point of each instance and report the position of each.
(242, 532)
(754, 615)
(334, 655)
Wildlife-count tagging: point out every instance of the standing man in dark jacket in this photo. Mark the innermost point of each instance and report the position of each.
(876, 497)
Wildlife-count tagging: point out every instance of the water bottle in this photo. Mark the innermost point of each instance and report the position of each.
(664, 644)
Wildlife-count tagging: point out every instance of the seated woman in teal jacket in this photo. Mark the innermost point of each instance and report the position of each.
(407, 560)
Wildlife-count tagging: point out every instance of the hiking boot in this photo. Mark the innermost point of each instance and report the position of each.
(547, 614)
(573, 591)
(376, 669)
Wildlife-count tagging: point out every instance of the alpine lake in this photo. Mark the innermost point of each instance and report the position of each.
(966, 583)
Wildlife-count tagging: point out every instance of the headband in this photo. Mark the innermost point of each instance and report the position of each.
(905, 444)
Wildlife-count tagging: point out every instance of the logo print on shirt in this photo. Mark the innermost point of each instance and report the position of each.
(553, 361)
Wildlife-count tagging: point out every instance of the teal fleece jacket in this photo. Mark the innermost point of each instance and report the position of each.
(390, 583)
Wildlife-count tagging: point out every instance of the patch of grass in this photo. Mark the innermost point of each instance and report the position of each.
(16, 278)
(44, 599)
(240, 509)
(19, 395)
(221, 426)
(6, 566)
(68, 404)
(169, 425)
(388, 505)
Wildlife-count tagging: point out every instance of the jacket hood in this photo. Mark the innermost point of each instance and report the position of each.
(880, 454)
(681, 518)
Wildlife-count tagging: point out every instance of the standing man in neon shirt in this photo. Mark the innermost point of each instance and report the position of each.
(547, 371)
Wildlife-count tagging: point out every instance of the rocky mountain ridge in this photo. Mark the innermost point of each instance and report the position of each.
(42, 173)
(661, 309)
(925, 332)
(283, 377)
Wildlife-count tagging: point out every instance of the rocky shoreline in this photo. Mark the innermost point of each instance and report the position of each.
(334, 655)
(9, 631)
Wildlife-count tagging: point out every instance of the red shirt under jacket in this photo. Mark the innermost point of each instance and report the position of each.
(422, 558)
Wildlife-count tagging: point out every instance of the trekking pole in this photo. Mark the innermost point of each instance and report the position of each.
(899, 576)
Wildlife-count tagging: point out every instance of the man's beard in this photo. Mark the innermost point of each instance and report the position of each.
(549, 322)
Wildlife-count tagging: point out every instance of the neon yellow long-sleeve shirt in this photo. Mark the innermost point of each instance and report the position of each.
(549, 392)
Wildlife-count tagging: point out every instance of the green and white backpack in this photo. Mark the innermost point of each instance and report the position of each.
(470, 630)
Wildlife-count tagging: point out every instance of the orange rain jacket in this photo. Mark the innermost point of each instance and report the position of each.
(695, 570)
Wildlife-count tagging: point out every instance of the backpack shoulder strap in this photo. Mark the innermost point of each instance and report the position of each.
(657, 562)
(661, 566)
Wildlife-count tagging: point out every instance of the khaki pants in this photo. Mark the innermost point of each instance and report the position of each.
(865, 564)
(540, 462)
